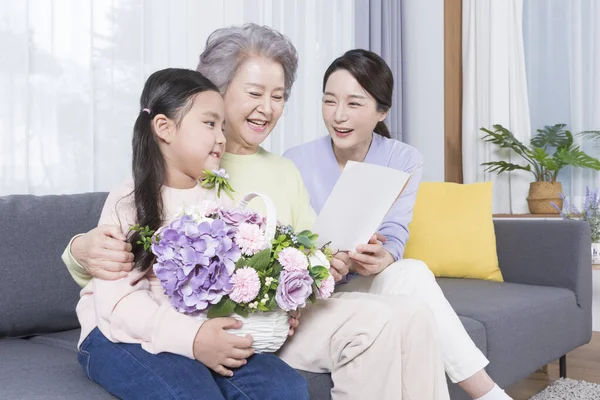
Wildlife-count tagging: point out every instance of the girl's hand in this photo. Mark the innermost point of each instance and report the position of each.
(220, 350)
(103, 252)
(371, 258)
(294, 321)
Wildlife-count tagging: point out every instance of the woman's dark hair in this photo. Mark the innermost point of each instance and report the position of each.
(169, 92)
(373, 74)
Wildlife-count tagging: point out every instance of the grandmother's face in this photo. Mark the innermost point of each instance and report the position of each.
(253, 103)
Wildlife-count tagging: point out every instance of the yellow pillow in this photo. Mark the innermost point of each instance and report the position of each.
(452, 231)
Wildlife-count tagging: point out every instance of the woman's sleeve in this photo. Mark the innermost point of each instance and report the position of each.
(113, 206)
(304, 215)
(395, 224)
(77, 271)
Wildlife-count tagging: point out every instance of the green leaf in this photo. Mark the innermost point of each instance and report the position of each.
(540, 154)
(241, 310)
(503, 138)
(305, 241)
(261, 260)
(503, 166)
(591, 135)
(554, 136)
(319, 273)
(242, 262)
(577, 158)
(272, 303)
(223, 308)
(277, 267)
(304, 233)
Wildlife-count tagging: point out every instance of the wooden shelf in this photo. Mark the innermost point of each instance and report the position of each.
(526, 216)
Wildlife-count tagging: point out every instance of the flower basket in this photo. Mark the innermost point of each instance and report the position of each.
(214, 262)
(268, 329)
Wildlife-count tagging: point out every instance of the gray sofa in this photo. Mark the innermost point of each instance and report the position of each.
(542, 311)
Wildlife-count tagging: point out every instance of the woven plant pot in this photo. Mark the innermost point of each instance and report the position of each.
(541, 194)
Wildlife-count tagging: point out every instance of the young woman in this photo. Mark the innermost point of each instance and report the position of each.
(133, 342)
(254, 68)
(357, 94)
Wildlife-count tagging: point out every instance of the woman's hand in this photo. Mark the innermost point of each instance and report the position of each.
(371, 258)
(294, 321)
(103, 252)
(220, 350)
(340, 265)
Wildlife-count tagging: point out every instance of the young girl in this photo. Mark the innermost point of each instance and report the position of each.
(357, 94)
(133, 342)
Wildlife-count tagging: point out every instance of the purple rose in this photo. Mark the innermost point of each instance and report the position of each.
(238, 216)
(293, 290)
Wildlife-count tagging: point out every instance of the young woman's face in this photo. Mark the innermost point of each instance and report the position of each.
(199, 143)
(349, 112)
(253, 102)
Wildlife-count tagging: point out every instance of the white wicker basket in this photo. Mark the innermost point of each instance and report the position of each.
(269, 329)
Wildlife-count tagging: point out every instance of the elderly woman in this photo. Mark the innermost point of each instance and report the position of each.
(368, 342)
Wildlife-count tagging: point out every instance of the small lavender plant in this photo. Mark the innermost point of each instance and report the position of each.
(589, 213)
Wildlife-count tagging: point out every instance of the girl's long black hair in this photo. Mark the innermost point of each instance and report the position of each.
(373, 74)
(169, 92)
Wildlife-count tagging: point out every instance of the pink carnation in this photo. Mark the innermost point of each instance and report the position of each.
(246, 285)
(293, 259)
(327, 288)
(251, 239)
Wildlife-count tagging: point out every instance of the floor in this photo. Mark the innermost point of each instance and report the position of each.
(582, 363)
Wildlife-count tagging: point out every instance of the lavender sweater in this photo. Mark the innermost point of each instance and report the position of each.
(320, 172)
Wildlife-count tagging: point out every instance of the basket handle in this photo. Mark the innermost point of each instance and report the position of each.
(271, 212)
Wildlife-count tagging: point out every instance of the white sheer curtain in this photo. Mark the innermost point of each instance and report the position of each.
(562, 53)
(73, 70)
(494, 92)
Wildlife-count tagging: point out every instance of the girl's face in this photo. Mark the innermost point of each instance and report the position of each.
(349, 111)
(198, 142)
(253, 103)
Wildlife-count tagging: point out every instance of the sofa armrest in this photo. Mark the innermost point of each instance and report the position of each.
(547, 253)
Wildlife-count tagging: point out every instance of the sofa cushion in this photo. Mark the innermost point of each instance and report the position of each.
(526, 326)
(476, 331)
(319, 385)
(37, 294)
(66, 340)
(36, 371)
(452, 230)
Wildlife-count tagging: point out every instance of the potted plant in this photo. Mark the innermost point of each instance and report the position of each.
(590, 212)
(549, 151)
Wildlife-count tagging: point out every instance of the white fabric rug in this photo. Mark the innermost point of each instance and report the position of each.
(568, 389)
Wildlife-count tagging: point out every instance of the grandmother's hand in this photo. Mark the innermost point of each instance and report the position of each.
(103, 252)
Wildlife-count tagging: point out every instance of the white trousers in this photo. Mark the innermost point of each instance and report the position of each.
(412, 278)
(375, 347)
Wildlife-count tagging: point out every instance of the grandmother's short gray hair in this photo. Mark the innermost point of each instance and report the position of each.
(227, 48)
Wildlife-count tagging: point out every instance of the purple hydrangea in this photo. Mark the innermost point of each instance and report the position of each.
(195, 262)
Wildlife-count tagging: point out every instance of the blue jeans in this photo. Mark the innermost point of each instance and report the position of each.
(129, 372)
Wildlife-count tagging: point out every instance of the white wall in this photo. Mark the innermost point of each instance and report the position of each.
(423, 82)
(596, 301)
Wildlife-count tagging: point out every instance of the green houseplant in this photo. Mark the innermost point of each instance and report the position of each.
(551, 150)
